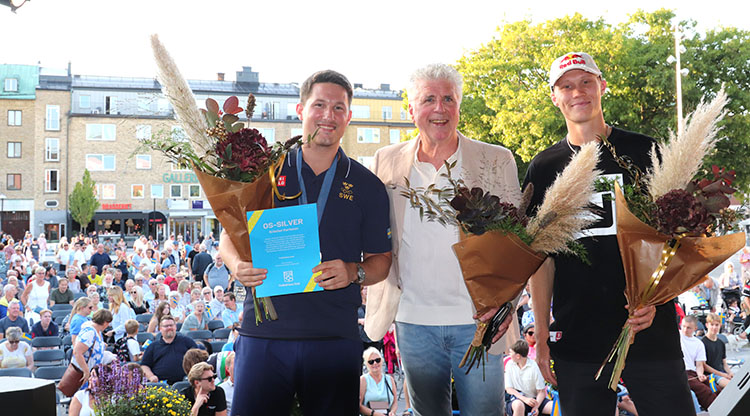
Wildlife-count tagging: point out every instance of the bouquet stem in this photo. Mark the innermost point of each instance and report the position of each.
(626, 338)
(476, 353)
(268, 310)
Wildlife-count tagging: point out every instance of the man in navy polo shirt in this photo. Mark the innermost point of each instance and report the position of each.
(162, 360)
(313, 349)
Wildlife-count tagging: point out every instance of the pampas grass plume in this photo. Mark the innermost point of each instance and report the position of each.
(178, 92)
(683, 155)
(563, 211)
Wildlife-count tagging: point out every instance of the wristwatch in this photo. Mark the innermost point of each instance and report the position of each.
(360, 275)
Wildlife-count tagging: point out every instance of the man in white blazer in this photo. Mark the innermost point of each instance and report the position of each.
(424, 292)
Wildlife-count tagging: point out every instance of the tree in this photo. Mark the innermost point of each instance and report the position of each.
(83, 201)
(506, 96)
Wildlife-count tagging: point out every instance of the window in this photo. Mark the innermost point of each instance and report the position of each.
(395, 135)
(194, 191)
(143, 161)
(175, 191)
(52, 150)
(51, 180)
(103, 132)
(291, 111)
(84, 101)
(110, 105)
(100, 162)
(269, 134)
(109, 191)
(144, 104)
(11, 84)
(403, 114)
(163, 105)
(297, 132)
(14, 117)
(366, 161)
(136, 191)
(157, 191)
(14, 150)
(360, 111)
(53, 117)
(13, 181)
(143, 132)
(368, 135)
(178, 134)
(387, 112)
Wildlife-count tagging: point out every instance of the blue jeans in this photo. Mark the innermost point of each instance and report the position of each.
(430, 356)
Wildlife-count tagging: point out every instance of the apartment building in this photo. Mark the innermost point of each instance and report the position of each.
(97, 123)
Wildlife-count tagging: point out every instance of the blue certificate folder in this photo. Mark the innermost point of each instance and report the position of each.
(285, 241)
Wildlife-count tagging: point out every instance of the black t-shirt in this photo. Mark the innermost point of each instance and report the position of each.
(715, 353)
(35, 250)
(217, 401)
(199, 264)
(356, 219)
(165, 360)
(589, 301)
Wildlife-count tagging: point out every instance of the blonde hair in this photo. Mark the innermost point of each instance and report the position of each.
(368, 352)
(183, 287)
(197, 370)
(713, 318)
(118, 298)
(138, 297)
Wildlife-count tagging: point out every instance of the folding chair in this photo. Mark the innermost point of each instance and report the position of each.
(216, 346)
(144, 318)
(62, 307)
(49, 358)
(143, 336)
(57, 313)
(46, 342)
(15, 372)
(199, 334)
(215, 324)
(51, 373)
(222, 333)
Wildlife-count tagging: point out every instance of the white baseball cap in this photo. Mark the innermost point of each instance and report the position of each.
(572, 60)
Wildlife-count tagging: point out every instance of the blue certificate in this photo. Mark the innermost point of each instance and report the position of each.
(285, 242)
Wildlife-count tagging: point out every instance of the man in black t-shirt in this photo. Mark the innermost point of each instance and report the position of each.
(207, 400)
(716, 352)
(589, 302)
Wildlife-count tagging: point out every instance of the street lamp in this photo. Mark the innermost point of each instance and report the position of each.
(13, 4)
(2, 208)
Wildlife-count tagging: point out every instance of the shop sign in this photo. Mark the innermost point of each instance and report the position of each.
(180, 177)
(116, 206)
(198, 204)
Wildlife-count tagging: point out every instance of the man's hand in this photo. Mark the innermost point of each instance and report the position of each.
(702, 377)
(334, 274)
(248, 275)
(152, 378)
(503, 327)
(542, 358)
(642, 318)
(530, 401)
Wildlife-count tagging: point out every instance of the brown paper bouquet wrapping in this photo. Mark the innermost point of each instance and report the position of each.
(658, 268)
(495, 267)
(230, 201)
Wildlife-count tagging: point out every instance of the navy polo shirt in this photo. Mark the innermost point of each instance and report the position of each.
(165, 360)
(356, 220)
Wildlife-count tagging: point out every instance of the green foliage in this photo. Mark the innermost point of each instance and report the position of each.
(83, 201)
(506, 96)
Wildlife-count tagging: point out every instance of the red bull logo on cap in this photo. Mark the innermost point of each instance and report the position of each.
(572, 59)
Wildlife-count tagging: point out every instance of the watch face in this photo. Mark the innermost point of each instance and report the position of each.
(360, 274)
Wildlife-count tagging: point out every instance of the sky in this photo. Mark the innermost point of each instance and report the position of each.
(371, 42)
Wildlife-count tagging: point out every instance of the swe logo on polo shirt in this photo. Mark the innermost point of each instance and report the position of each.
(346, 191)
